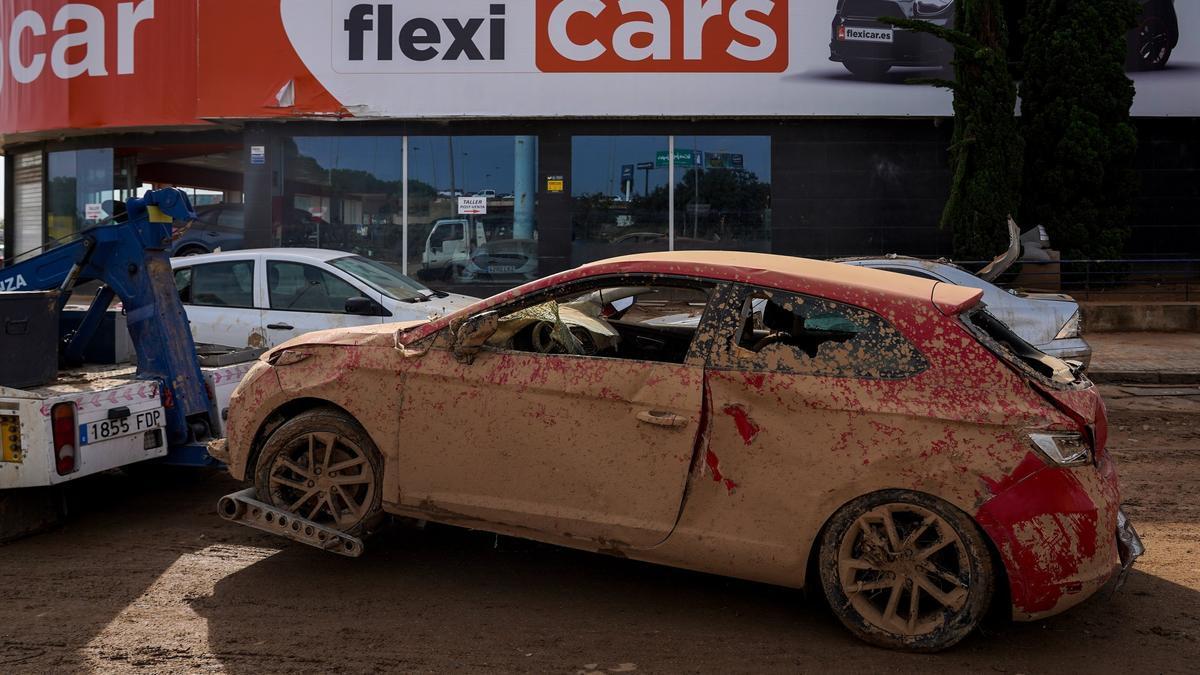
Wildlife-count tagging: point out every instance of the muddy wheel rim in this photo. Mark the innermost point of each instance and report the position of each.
(904, 569)
(325, 478)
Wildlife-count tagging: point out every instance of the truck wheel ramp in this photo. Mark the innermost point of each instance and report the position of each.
(242, 507)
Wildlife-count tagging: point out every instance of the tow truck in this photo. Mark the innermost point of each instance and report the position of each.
(93, 418)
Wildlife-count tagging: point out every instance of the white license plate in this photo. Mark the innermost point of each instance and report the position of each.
(853, 34)
(104, 430)
(502, 269)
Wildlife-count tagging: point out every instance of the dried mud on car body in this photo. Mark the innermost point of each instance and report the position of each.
(948, 428)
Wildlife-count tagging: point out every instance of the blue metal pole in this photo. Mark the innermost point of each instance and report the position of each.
(524, 186)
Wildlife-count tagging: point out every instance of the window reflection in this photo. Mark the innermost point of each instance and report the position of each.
(619, 196)
(449, 246)
(344, 193)
(79, 188)
(723, 193)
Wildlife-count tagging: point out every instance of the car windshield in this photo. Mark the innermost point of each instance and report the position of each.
(382, 277)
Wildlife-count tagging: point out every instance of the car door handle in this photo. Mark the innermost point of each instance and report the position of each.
(661, 419)
(281, 326)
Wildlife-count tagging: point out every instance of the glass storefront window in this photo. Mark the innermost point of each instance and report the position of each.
(344, 193)
(80, 191)
(618, 196)
(621, 186)
(723, 193)
(448, 246)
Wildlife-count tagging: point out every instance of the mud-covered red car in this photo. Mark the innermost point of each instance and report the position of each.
(879, 438)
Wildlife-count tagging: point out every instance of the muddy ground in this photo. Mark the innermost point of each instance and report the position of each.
(145, 577)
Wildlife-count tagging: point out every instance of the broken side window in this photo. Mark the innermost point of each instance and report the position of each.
(646, 322)
(794, 333)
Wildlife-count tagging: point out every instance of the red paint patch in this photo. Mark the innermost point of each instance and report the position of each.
(756, 381)
(746, 427)
(1028, 466)
(714, 466)
(1046, 529)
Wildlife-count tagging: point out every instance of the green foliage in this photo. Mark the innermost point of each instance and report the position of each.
(1079, 176)
(987, 150)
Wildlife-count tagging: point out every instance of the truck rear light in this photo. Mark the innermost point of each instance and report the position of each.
(66, 437)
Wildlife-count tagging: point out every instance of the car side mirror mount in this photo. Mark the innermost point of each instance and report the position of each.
(472, 333)
(364, 307)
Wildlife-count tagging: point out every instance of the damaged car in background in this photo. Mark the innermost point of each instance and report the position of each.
(878, 438)
(1049, 321)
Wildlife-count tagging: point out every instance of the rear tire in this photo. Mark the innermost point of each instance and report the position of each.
(322, 466)
(906, 571)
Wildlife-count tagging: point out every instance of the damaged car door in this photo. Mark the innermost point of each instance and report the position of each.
(578, 418)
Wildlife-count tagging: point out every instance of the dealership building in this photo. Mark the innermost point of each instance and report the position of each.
(581, 131)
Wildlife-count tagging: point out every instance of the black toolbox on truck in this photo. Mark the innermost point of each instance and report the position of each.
(28, 339)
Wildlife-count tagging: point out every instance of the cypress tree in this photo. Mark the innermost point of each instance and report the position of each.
(987, 150)
(1075, 98)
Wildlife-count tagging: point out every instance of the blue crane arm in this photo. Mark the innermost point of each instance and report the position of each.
(130, 259)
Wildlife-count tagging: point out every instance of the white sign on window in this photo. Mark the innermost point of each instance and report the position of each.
(472, 206)
(94, 212)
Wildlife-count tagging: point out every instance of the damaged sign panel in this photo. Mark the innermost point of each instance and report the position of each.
(873, 435)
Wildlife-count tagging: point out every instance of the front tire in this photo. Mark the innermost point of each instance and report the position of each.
(906, 571)
(322, 466)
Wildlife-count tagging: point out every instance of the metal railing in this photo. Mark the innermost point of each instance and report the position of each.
(1127, 280)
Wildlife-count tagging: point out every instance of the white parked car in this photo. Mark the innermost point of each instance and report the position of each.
(262, 298)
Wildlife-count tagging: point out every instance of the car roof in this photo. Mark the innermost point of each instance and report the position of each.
(862, 286)
(786, 272)
(312, 254)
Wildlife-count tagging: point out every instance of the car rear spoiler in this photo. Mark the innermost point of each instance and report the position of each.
(953, 300)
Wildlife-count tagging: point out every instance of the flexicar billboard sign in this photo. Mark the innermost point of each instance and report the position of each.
(110, 63)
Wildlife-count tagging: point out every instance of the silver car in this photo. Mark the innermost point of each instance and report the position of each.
(1049, 321)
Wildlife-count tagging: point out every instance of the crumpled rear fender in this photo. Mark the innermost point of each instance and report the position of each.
(1055, 530)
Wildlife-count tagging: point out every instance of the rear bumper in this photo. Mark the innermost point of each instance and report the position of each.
(908, 48)
(1059, 534)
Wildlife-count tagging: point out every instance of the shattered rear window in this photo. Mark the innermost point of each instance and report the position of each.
(800, 334)
(1011, 347)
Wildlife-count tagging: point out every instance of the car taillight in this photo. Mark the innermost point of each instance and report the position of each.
(66, 437)
(1073, 328)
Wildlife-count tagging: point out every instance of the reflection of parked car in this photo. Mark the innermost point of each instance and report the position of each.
(503, 260)
(264, 297)
(1155, 37)
(883, 439)
(1050, 322)
(222, 227)
(869, 48)
(219, 227)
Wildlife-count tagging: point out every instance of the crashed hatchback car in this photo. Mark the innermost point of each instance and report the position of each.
(876, 437)
(1052, 322)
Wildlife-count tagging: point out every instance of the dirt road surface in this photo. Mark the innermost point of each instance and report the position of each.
(145, 577)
